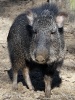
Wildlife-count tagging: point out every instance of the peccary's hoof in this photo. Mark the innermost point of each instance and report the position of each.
(43, 98)
(15, 87)
(31, 88)
(47, 95)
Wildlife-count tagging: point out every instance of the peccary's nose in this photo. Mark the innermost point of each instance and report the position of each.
(41, 55)
(40, 59)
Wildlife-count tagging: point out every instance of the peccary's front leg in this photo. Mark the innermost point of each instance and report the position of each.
(15, 75)
(27, 78)
(48, 82)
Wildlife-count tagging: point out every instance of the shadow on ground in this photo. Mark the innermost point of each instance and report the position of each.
(37, 79)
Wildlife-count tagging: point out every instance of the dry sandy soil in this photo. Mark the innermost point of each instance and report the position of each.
(63, 91)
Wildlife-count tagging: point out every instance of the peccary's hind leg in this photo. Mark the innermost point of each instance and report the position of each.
(15, 75)
(48, 82)
(27, 77)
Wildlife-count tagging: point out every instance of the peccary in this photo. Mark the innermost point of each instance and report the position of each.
(37, 36)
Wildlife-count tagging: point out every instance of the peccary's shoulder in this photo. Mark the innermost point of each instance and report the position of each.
(20, 19)
(19, 24)
(50, 7)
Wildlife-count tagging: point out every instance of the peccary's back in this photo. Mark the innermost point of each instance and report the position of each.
(51, 7)
(19, 39)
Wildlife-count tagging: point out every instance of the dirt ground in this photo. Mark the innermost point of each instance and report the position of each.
(63, 91)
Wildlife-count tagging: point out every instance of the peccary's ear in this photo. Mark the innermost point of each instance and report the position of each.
(60, 19)
(30, 16)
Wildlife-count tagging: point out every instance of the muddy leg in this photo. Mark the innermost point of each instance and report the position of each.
(27, 78)
(15, 75)
(48, 82)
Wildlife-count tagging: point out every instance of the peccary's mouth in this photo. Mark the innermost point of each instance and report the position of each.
(38, 61)
(41, 60)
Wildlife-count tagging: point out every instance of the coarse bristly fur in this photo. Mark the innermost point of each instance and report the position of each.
(37, 36)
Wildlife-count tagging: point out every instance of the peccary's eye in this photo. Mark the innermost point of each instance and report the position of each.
(53, 32)
(35, 32)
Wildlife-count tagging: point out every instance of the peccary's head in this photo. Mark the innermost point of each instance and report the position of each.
(46, 43)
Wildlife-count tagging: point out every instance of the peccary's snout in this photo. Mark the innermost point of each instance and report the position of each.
(40, 59)
(41, 55)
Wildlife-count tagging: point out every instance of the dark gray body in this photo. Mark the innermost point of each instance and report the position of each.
(36, 37)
